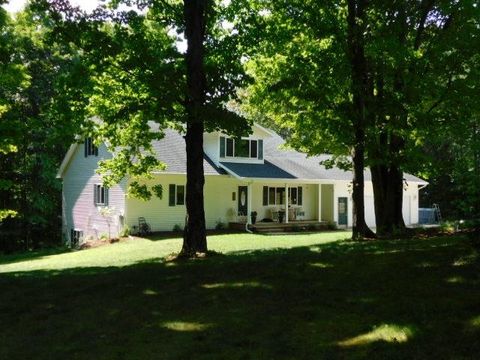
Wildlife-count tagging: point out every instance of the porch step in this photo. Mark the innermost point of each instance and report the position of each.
(265, 228)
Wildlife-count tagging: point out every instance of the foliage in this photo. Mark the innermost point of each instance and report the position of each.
(36, 125)
(220, 225)
(177, 228)
(332, 225)
(125, 231)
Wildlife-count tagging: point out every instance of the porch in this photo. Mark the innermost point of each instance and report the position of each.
(279, 203)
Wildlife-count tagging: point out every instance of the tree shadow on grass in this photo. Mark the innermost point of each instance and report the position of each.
(32, 255)
(345, 300)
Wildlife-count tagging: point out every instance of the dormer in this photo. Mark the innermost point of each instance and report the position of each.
(241, 150)
(224, 148)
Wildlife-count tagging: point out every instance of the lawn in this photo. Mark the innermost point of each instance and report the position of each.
(302, 296)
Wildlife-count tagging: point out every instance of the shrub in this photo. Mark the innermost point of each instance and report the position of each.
(448, 226)
(220, 225)
(331, 225)
(125, 231)
(312, 227)
(177, 228)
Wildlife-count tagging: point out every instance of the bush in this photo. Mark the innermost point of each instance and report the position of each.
(220, 225)
(312, 227)
(177, 228)
(448, 226)
(125, 231)
(331, 225)
(469, 224)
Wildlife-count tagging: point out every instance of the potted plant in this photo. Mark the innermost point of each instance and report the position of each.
(253, 216)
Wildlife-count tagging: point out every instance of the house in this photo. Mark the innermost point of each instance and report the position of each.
(241, 176)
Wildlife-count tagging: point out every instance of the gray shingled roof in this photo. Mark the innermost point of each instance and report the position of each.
(171, 151)
(302, 166)
(279, 163)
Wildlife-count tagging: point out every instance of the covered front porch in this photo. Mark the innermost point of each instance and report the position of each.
(265, 203)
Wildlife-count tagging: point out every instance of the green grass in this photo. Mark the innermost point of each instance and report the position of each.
(302, 296)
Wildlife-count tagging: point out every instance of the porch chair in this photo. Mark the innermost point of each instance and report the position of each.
(300, 214)
(143, 227)
(274, 214)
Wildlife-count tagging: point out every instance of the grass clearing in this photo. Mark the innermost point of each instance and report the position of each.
(301, 296)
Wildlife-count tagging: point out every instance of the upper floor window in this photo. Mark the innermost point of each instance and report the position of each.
(176, 195)
(100, 195)
(241, 148)
(90, 148)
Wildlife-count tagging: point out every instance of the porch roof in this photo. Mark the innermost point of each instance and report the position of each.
(261, 171)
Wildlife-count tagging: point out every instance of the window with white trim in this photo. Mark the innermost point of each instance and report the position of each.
(100, 195)
(241, 148)
(176, 195)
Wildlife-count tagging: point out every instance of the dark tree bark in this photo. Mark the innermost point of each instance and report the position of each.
(388, 194)
(194, 239)
(387, 176)
(360, 82)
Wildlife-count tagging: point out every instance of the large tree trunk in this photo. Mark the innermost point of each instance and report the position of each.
(360, 82)
(194, 239)
(388, 194)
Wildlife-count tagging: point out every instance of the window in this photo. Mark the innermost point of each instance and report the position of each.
(229, 147)
(280, 196)
(271, 196)
(276, 195)
(176, 195)
(100, 195)
(90, 148)
(180, 195)
(242, 148)
(253, 149)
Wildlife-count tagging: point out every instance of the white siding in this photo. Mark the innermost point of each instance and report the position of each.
(220, 203)
(79, 210)
(162, 217)
(211, 146)
(410, 202)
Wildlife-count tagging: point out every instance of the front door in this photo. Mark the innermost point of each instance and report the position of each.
(342, 211)
(242, 200)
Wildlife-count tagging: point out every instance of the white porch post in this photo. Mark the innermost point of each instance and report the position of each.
(319, 202)
(249, 203)
(335, 205)
(286, 203)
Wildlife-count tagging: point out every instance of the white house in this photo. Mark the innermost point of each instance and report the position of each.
(241, 176)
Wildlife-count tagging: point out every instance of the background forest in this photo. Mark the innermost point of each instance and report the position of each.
(283, 64)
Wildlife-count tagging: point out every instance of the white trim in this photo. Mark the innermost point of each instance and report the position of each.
(265, 130)
(286, 203)
(319, 202)
(66, 160)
